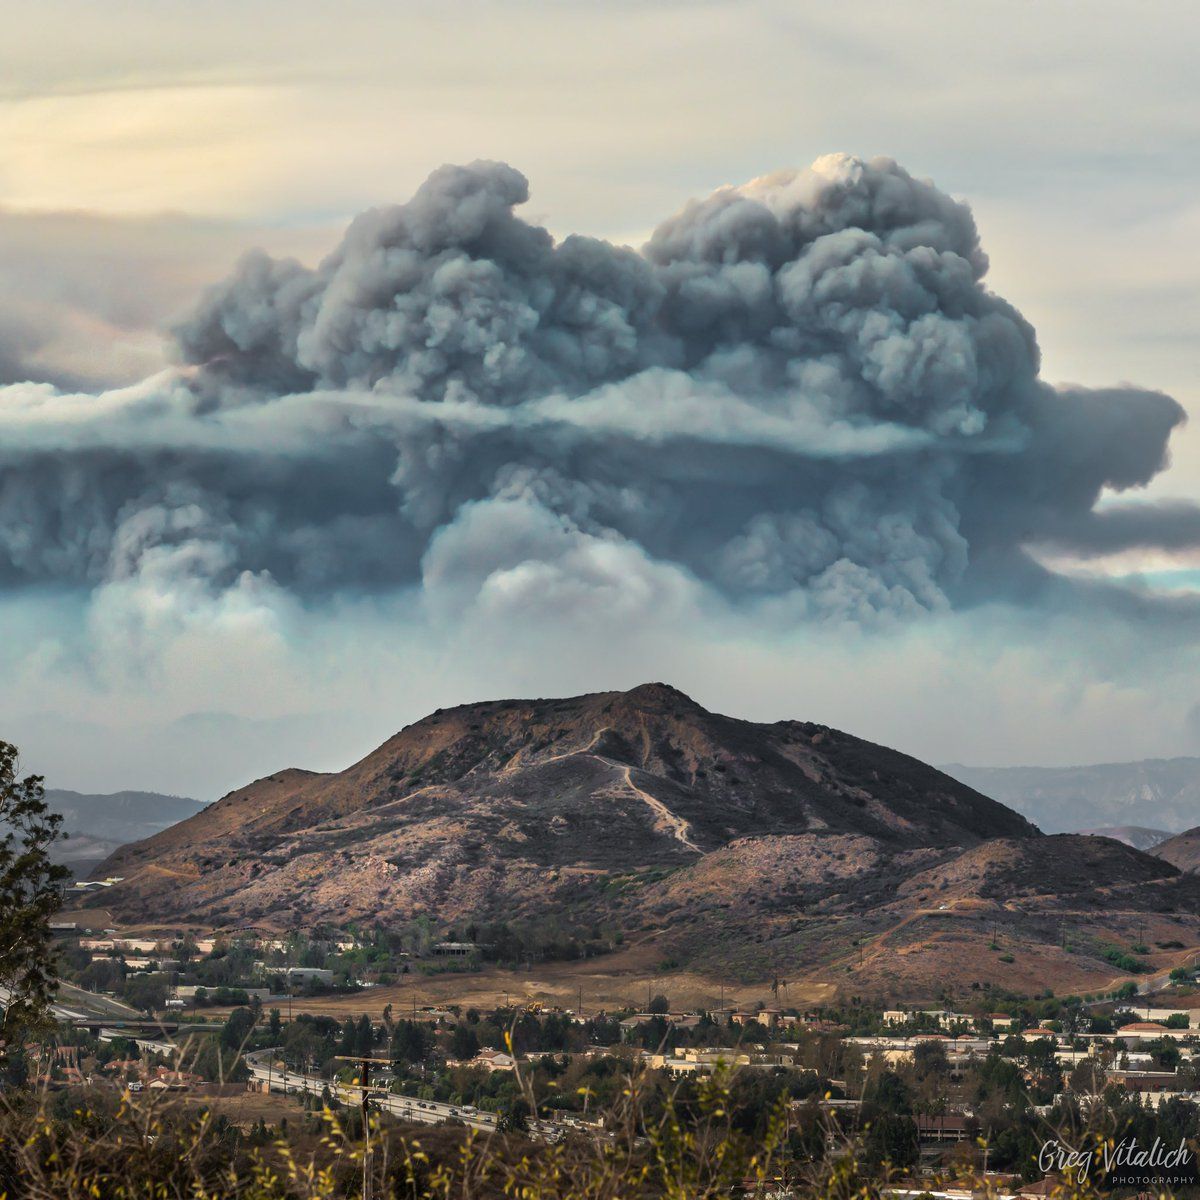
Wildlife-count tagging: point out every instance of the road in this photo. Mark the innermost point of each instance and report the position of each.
(84, 1006)
(408, 1108)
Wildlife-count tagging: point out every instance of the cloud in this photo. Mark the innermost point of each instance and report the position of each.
(88, 298)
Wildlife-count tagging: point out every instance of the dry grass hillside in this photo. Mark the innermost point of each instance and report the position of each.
(1183, 850)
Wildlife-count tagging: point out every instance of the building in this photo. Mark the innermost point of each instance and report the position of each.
(1148, 1031)
(308, 975)
(945, 1127)
(763, 1016)
(942, 1017)
(188, 991)
(703, 1060)
(1144, 1082)
(493, 1060)
(122, 945)
(1162, 1015)
(456, 949)
(697, 1061)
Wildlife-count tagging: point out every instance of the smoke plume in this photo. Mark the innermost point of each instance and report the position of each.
(800, 394)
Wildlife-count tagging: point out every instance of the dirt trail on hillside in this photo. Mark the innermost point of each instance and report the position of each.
(677, 827)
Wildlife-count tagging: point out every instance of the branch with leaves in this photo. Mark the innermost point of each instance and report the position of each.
(30, 894)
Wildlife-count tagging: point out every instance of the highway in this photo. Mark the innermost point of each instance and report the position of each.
(408, 1108)
(85, 1007)
(112, 1014)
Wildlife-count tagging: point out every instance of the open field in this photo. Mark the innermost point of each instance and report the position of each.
(610, 983)
(966, 943)
(240, 1106)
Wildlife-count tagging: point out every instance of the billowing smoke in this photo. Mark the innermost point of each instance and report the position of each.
(800, 393)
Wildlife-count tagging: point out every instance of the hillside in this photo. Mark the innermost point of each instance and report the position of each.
(723, 843)
(604, 781)
(1157, 792)
(1183, 850)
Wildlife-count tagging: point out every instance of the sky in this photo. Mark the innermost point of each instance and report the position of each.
(260, 527)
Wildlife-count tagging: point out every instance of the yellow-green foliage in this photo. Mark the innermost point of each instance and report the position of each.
(149, 1148)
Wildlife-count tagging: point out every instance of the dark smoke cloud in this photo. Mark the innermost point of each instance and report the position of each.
(800, 392)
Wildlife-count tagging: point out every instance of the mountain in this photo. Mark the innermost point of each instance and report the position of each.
(1156, 792)
(96, 825)
(1183, 850)
(1137, 836)
(605, 781)
(725, 844)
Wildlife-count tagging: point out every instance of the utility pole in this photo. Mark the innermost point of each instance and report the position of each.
(364, 1079)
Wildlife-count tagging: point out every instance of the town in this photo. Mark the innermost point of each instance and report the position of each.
(262, 1028)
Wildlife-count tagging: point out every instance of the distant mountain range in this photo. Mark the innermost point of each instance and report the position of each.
(714, 844)
(1137, 836)
(97, 824)
(1155, 793)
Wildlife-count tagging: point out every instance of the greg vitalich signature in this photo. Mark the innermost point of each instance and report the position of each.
(1126, 1156)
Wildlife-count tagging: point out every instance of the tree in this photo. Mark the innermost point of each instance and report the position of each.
(145, 992)
(464, 1043)
(1088, 1078)
(364, 1037)
(1165, 1054)
(30, 894)
(411, 1042)
(890, 1138)
(515, 1117)
(238, 1027)
(660, 1004)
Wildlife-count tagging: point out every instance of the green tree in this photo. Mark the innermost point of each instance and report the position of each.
(238, 1027)
(1089, 1077)
(464, 1043)
(411, 1042)
(145, 992)
(364, 1037)
(515, 1117)
(30, 894)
